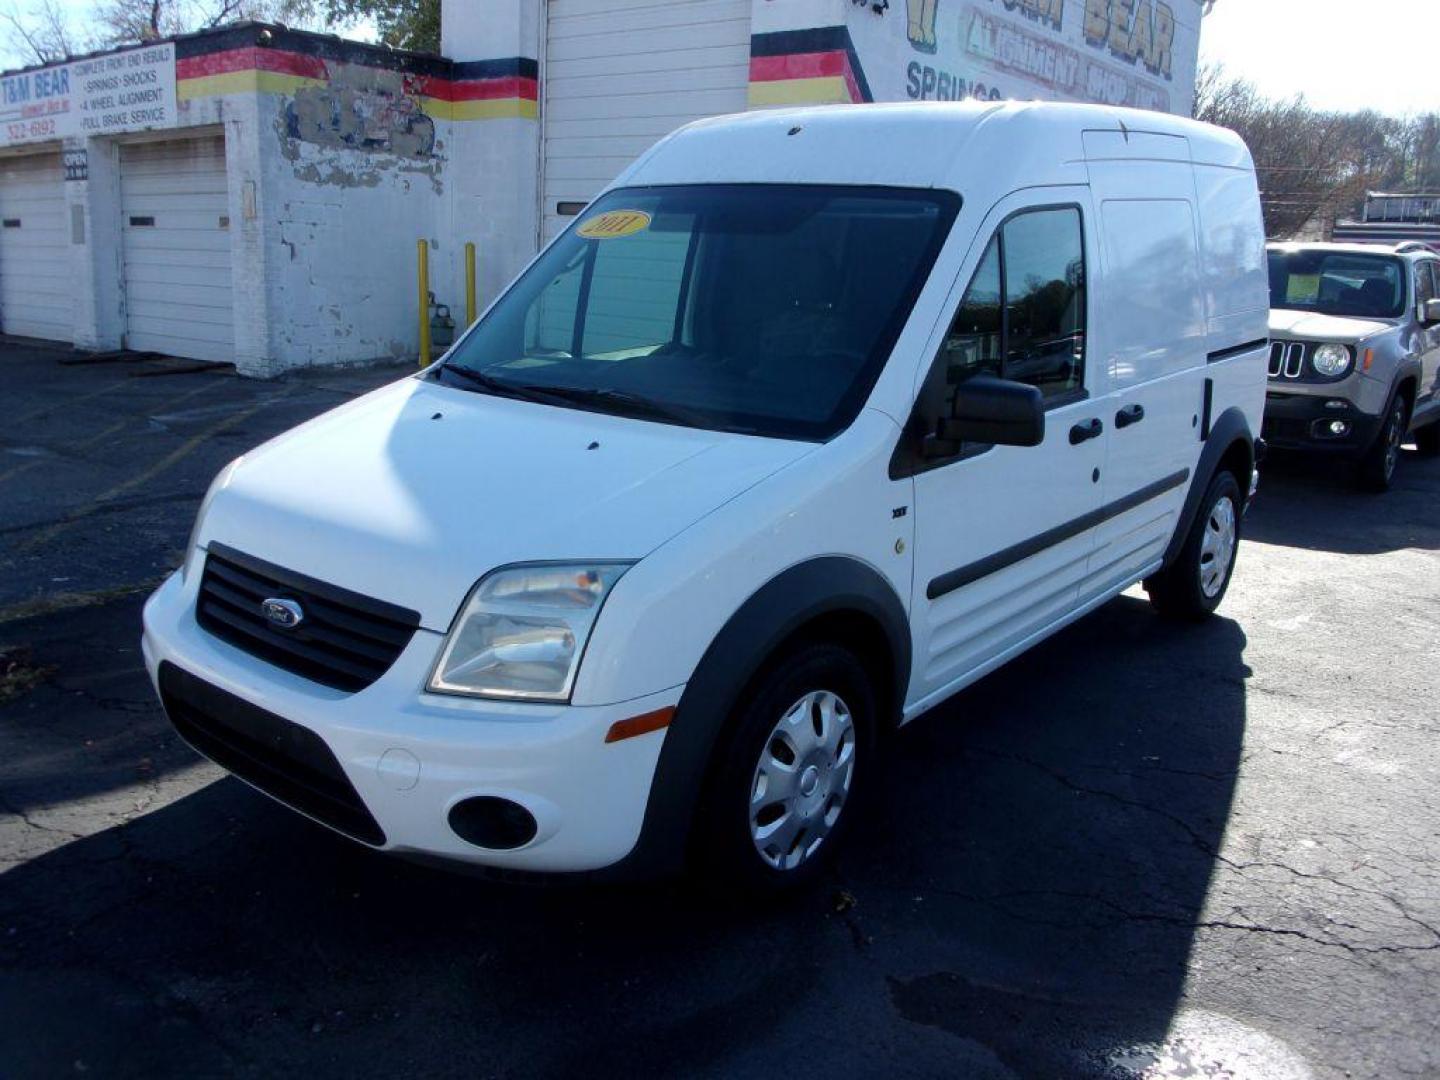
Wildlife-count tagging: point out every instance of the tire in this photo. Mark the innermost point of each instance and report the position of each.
(1377, 466)
(1427, 440)
(830, 759)
(1192, 587)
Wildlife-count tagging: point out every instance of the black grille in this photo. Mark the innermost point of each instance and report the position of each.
(345, 640)
(281, 758)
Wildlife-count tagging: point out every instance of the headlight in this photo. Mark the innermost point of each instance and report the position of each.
(1331, 360)
(216, 486)
(523, 630)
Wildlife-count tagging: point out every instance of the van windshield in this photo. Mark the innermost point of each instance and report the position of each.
(765, 309)
(1338, 283)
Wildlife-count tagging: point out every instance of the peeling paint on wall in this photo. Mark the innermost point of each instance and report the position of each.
(363, 108)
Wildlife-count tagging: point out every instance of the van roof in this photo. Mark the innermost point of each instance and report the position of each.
(925, 144)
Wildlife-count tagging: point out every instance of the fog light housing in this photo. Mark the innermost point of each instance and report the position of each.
(1337, 429)
(489, 821)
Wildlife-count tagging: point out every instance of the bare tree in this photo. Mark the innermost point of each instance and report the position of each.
(42, 35)
(1310, 164)
(124, 21)
(1315, 166)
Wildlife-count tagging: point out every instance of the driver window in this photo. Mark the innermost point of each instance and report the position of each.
(1045, 301)
(1023, 313)
(973, 344)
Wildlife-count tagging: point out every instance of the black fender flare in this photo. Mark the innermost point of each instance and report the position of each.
(1412, 369)
(1226, 430)
(774, 612)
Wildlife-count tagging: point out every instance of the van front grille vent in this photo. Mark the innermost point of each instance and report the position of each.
(330, 635)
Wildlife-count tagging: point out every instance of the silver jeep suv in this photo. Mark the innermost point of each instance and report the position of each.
(1354, 352)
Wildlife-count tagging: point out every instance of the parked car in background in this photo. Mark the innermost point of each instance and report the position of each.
(1354, 353)
(800, 428)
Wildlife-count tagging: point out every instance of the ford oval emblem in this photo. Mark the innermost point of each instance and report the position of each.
(286, 614)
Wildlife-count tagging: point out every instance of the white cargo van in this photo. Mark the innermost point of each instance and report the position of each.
(810, 420)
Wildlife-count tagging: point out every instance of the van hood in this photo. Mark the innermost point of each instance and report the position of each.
(414, 492)
(1316, 327)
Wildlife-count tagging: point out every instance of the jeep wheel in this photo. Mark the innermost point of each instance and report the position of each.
(1427, 440)
(1195, 583)
(782, 795)
(1377, 467)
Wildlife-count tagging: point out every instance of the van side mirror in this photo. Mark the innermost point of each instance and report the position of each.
(1430, 312)
(999, 411)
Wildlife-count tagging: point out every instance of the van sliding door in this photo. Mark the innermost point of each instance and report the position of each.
(1151, 325)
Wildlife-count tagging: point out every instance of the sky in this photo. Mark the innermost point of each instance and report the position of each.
(1341, 54)
(79, 11)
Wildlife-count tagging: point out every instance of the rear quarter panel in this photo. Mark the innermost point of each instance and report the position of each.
(1234, 277)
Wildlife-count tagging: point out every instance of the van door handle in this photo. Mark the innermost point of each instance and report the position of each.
(1131, 414)
(1088, 429)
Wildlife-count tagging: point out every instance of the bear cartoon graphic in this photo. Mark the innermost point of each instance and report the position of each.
(921, 29)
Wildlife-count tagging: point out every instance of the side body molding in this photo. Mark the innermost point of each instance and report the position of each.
(791, 599)
(1225, 430)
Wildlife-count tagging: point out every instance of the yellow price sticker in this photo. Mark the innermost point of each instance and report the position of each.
(1303, 288)
(614, 224)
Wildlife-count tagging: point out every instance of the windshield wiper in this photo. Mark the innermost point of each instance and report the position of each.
(628, 402)
(605, 399)
(503, 387)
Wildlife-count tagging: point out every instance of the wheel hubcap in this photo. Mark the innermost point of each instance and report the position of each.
(1217, 547)
(802, 779)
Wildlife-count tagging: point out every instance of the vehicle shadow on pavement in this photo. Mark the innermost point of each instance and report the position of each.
(1312, 502)
(1021, 900)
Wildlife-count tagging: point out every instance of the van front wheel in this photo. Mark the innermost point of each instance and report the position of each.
(1195, 583)
(783, 795)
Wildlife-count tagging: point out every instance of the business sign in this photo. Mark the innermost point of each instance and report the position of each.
(132, 90)
(1137, 53)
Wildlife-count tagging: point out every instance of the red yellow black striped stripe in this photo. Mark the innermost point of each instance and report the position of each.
(818, 66)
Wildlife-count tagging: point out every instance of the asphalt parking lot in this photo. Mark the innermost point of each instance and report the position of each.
(1140, 850)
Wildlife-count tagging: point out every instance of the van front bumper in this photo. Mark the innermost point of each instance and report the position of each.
(386, 765)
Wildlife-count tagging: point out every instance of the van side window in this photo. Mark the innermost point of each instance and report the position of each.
(973, 344)
(1045, 301)
(1023, 314)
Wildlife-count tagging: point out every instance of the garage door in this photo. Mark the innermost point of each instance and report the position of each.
(35, 293)
(619, 74)
(176, 230)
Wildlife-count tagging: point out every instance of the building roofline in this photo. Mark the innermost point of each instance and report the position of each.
(251, 33)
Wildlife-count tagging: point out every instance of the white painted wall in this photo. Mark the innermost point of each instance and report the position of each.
(338, 229)
(494, 196)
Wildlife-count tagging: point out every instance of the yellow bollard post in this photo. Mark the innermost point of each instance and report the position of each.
(422, 254)
(469, 285)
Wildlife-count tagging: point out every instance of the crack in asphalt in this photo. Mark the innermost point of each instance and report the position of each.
(1221, 859)
(24, 817)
